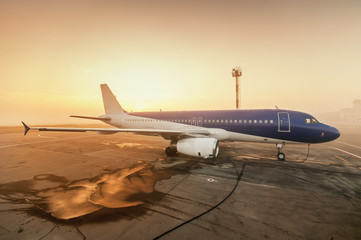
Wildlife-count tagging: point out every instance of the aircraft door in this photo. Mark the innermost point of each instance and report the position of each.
(284, 122)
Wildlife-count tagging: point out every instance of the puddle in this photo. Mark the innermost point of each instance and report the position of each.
(120, 188)
(134, 145)
(130, 145)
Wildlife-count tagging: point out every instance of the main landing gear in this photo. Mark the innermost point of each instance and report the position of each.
(280, 155)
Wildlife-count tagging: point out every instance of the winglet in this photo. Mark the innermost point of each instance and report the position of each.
(26, 128)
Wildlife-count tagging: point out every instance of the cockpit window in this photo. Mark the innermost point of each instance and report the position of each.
(311, 120)
(314, 121)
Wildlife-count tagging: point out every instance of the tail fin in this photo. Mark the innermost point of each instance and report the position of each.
(111, 104)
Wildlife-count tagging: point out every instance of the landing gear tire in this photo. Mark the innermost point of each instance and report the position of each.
(170, 151)
(281, 156)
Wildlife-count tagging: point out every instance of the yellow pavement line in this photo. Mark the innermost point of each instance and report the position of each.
(348, 163)
(327, 163)
(342, 159)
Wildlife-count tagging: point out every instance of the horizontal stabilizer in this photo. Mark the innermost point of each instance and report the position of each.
(93, 118)
(26, 128)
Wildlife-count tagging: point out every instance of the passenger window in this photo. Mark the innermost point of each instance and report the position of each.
(266, 121)
(260, 121)
(271, 121)
(308, 121)
(222, 121)
(226, 121)
(255, 121)
(249, 121)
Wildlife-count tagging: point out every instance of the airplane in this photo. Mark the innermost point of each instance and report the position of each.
(198, 133)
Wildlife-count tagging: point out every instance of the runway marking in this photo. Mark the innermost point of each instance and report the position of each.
(330, 163)
(342, 159)
(54, 140)
(46, 136)
(348, 144)
(348, 163)
(345, 152)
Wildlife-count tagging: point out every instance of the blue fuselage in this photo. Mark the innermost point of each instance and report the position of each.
(275, 124)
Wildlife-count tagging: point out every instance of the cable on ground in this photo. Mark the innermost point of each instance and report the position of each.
(239, 175)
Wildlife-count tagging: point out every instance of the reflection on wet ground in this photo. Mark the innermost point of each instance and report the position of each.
(119, 188)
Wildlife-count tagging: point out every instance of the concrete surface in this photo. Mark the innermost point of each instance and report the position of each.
(122, 186)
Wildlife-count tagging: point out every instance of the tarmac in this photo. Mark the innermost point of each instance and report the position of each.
(56, 185)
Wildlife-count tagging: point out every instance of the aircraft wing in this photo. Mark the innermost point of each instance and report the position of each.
(167, 134)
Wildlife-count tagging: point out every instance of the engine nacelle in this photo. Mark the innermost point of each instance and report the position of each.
(198, 147)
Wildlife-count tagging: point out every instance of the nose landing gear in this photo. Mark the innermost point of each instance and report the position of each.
(280, 155)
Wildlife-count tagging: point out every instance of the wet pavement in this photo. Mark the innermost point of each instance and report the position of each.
(122, 186)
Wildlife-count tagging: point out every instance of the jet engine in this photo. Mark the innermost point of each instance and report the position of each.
(198, 147)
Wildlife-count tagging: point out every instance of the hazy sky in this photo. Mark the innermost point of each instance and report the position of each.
(176, 55)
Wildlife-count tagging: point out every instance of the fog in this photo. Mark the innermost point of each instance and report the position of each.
(176, 56)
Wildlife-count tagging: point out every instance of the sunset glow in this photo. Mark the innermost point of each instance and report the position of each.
(176, 55)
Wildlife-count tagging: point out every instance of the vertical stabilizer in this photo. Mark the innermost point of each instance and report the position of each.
(111, 104)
